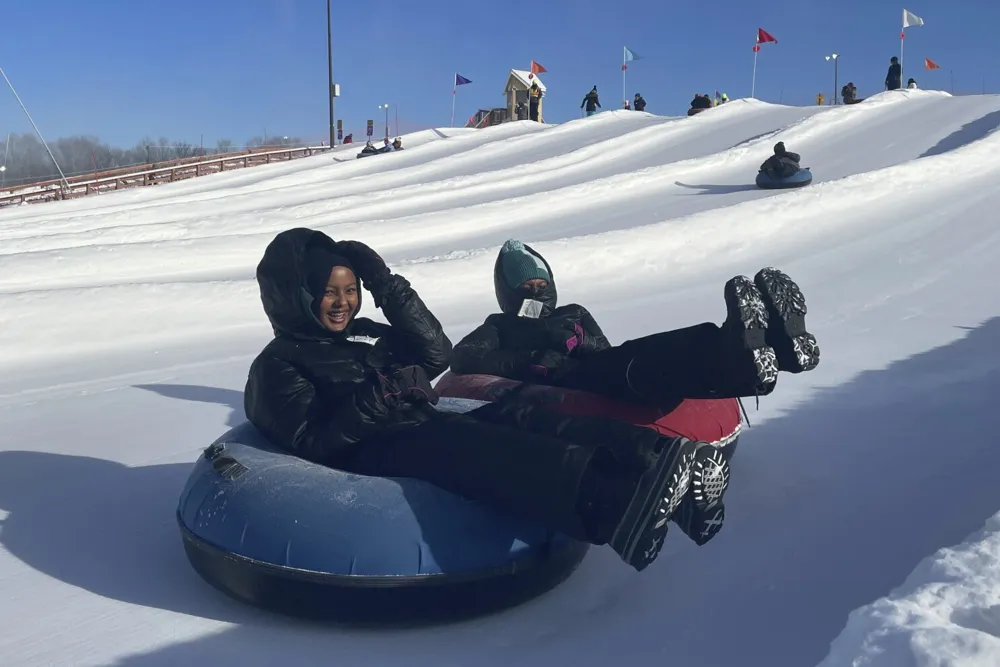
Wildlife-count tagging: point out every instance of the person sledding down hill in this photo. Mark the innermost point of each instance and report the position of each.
(699, 104)
(783, 164)
(592, 102)
(354, 394)
(534, 340)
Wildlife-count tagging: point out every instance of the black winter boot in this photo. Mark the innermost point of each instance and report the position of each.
(702, 512)
(796, 348)
(746, 323)
(631, 514)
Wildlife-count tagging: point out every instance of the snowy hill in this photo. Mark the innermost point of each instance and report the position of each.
(859, 495)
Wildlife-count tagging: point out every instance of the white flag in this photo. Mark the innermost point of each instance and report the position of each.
(911, 19)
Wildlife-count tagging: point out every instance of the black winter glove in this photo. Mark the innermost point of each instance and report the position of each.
(551, 365)
(409, 385)
(367, 264)
(564, 335)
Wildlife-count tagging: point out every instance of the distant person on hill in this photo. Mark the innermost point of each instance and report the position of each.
(701, 101)
(639, 104)
(849, 93)
(894, 78)
(591, 101)
(783, 163)
(626, 106)
(911, 84)
(521, 110)
(534, 96)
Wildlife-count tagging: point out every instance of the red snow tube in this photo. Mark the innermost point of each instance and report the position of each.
(716, 421)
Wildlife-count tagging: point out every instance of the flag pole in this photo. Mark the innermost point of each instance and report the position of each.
(454, 94)
(753, 84)
(624, 69)
(902, 40)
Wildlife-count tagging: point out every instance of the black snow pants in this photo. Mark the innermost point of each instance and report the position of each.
(533, 109)
(515, 457)
(702, 361)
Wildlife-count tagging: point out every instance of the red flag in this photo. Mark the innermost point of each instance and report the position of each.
(536, 68)
(764, 36)
(930, 64)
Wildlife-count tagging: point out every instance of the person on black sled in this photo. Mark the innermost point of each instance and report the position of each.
(354, 394)
(894, 77)
(534, 340)
(783, 164)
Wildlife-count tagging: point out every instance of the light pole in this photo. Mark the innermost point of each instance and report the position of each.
(835, 58)
(386, 107)
(329, 68)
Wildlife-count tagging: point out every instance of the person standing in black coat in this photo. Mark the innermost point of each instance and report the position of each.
(639, 104)
(354, 394)
(591, 101)
(534, 340)
(894, 77)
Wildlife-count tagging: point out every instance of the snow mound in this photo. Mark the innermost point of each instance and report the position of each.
(947, 612)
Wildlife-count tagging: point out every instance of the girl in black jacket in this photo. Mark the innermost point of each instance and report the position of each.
(354, 394)
(533, 340)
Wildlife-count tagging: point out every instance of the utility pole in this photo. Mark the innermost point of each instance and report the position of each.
(329, 67)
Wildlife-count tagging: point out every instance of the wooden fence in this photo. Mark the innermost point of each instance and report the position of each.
(160, 172)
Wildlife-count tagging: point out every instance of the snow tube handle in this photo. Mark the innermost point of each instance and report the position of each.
(224, 464)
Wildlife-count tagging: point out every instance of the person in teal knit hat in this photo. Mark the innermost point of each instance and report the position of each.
(534, 340)
(520, 266)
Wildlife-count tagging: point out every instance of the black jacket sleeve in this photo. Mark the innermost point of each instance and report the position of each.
(479, 353)
(417, 335)
(283, 404)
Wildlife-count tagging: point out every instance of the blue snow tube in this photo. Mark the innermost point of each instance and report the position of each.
(799, 179)
(279, 532)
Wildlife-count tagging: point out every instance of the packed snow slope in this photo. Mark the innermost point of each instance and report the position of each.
(860, 493)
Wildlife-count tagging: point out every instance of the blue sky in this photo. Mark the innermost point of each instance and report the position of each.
(231, 68)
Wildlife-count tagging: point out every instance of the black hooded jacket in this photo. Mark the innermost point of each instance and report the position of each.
(508, 345)
(316, 393)
(894, 77)
(591, 100)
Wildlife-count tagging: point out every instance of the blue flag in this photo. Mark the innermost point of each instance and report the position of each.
(461, 80)
(631, 55)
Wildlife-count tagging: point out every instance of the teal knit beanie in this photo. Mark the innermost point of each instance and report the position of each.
(519, 265)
